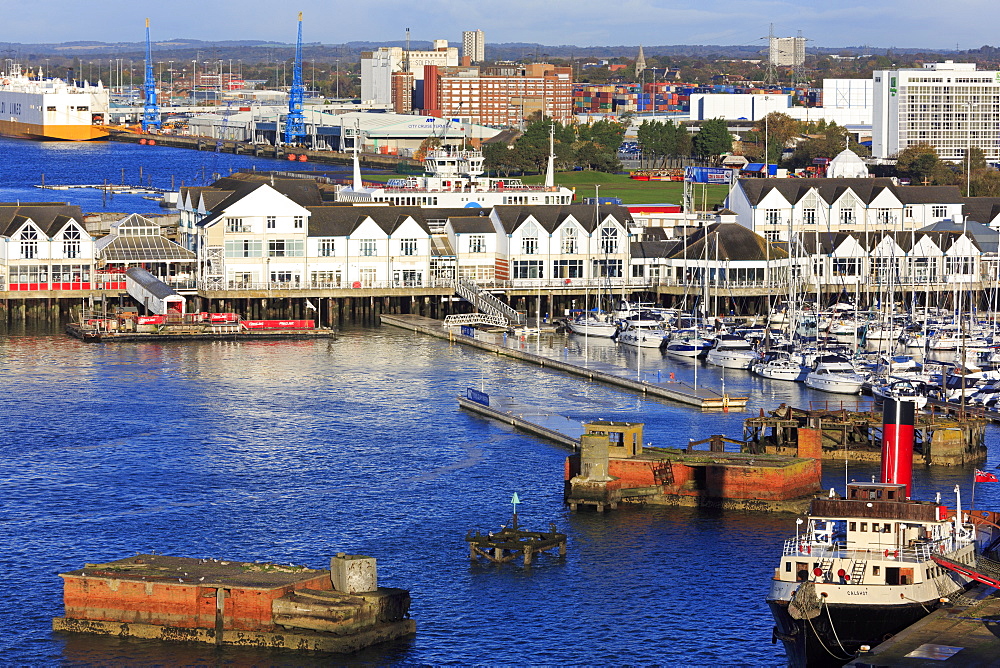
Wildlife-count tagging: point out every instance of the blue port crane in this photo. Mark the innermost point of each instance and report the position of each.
(295, 123)
(150, 109)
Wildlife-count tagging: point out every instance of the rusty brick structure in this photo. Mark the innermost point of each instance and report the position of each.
(232, 602)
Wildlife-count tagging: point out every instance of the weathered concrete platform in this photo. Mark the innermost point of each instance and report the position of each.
(236, 603)
(966, 634)
(544, 424)
(701, 397)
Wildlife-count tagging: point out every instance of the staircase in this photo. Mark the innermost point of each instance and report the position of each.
(826, 565)
(487, 303)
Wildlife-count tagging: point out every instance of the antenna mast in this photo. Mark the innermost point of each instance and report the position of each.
(150, 109)
(295, 124)
(771, 76)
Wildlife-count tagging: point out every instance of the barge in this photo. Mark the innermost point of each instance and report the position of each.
(127, 325)
(256, 604)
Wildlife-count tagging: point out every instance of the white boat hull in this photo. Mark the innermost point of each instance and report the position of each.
(832, 383)
(735, 359)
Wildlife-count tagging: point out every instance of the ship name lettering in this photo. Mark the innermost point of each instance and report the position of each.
(856, 593)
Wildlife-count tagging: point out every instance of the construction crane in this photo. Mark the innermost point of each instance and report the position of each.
(150, 109)
(295, 124)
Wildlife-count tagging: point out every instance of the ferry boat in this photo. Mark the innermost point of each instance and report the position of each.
(454, 179)
(863, 568)
(34, 107)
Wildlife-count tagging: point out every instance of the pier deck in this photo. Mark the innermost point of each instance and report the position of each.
(701, 397)
(969, 631)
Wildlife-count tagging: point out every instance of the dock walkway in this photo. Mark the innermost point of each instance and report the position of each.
(701, 397)
(544, 424)
(967, 633)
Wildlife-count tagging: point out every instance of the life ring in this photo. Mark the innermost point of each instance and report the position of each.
(941, 548)
(885, 553)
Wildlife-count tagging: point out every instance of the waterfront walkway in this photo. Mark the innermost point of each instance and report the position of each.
(649, 383)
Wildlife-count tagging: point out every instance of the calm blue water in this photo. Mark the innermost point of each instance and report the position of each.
(295, 451)
(23, 164)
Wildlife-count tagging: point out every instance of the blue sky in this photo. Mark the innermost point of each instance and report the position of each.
(831, 23)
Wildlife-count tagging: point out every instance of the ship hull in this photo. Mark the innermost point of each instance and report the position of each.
(20, 130)
(817, 642)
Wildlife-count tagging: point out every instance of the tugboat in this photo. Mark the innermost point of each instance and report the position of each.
(863, 567)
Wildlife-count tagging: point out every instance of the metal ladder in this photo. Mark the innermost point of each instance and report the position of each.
(858, 569)
(826, 565)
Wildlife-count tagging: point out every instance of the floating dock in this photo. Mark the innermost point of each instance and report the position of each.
(700, 397)
(268, 605)
(610, 465)
(965, 633)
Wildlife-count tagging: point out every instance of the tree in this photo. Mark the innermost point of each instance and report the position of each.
(713, 139)
(920, 162)
(426, 145)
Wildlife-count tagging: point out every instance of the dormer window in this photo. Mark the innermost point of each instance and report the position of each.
(529, 242)
(609, 240)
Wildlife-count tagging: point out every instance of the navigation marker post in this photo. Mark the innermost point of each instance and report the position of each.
(514, 501)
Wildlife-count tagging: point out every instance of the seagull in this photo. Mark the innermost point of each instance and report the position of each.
(201, 579)
(180, 580)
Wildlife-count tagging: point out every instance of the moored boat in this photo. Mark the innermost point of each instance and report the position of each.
(834, 373)
(35, 107)
(731, 352)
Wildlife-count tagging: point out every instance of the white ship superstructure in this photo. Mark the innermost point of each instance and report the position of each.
(34, 107)
(455, 179)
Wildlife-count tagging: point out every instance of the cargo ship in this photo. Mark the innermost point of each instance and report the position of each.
(34, 107)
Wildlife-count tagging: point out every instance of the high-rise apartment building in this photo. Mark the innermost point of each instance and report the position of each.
(951, 106)
(787, 51)
(474, 46)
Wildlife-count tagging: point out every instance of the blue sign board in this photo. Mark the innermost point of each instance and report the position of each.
(477, 396)
(468, 330)
(708, 175)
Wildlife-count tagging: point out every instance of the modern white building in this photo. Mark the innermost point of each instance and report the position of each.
(474, 46)
(44, 247)
(951, 106)
(377, 68)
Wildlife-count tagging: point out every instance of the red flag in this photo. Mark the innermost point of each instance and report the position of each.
(983, 476)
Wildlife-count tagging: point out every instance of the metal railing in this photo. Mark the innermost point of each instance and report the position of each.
(459, 319)
(920, 552)
(484, 301)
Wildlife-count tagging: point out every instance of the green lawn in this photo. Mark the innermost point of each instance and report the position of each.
(619, 185)
(635, 192)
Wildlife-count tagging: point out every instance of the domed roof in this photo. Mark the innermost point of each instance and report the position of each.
(847, 165)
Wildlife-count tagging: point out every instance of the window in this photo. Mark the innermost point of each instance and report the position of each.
(285, 248)
(71, 243)
(772, 235)
(607, 268)
(938, 211)
(609, 240)
(284, 277)
(367, 248)
(958, 265)
(864, 526)
(846, 266)
(477, 243)
(327, 248)
(325, 278)
(30, 273)
(771, 216)
(570, 242)
(809, 216)
(244, 248)
(236, 225)
(852, 526)
(883, 216)
(29, 243)
(567, 269)
(408, 247)
(847, 216)
(638, 271)
(529, 240)
(272, 222)
(908, 211)
(299, 221)
(528, 269)
(242, 278)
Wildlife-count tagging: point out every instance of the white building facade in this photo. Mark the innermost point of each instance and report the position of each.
(377, 68)
(951, 106)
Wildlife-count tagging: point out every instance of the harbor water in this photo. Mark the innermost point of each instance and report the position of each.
(294, 451)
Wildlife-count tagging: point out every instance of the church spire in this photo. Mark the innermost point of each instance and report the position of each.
(640, 62)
